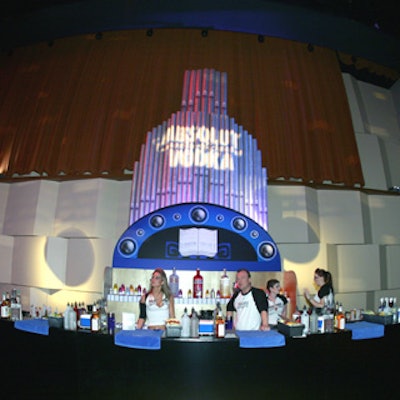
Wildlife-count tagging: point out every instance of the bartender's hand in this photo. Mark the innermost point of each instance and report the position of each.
(265, 327)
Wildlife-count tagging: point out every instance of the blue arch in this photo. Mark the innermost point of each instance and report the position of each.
(243, 233)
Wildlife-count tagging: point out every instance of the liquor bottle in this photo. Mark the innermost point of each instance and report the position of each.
(111, 323)
(340, 318)
(67, 317)
(289, 311)
(102, 315)
(5, 307)
(313, 321)
(174, 282)
(185, 322)
(95, 320)
(305, 320)
(219, 323)
(72, 319)
(76, 310)
(194, 324)
(115, 288)
(198, 285)
(224, 286)
(386, 308)
(16, 308)
(394, 310)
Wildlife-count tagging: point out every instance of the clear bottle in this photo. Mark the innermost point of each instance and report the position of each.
(67, 318)
(224, 286)
(16, 307)
(198, 285)
(72, 319)
(313, 321)
(194, 324)
(381, 304)
(185, 322)
(174, 282)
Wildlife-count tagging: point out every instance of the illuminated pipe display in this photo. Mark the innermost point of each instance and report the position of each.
(201, 155)
(199, 191)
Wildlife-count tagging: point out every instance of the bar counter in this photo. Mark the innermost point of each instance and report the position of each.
(82, 365)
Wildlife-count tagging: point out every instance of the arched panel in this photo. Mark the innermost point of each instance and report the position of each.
(156, 240)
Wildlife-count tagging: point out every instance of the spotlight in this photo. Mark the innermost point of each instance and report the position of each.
(239, 223)
(149, 32)
(260, 38)
(266, 250)
(310, 47)
(157, 221)
(204, 33)
(198, 214)
(127, 247)
(98, 36)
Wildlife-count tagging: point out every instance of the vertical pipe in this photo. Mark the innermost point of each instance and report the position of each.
(217, 93)
(224, 93)
(185, 91)
(197, 94)
(192, 91)
(204, 90)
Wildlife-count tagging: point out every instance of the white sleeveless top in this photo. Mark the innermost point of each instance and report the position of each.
(156, 315)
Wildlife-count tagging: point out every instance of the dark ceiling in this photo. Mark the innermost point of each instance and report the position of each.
(363, 28)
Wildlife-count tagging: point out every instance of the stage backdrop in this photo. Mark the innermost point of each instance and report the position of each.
(82, 107)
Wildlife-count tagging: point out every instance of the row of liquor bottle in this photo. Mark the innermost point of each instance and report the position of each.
(94, 317)
(194, 324)
(11, 307)
(388, 306)
(329, 319)
(196, 291)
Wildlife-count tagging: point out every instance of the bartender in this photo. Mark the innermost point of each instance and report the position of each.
(157, 305)
(249, 305)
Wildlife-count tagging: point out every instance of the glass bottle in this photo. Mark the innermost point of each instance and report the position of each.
(5, 307)
(198, 285)
(111, 323)
(219, 323)
(313, 321)
(340, 318)
(67, 318)
(174, 283)
(194, 324)
(95, 320)
(224, 286)
(72, 319)
(305, 320)
(185, 322)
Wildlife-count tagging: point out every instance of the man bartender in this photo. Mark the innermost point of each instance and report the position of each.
(250, 305)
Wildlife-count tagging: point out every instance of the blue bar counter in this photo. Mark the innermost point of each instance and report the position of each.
(82, 365)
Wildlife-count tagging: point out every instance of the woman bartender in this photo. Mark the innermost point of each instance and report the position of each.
(325, 295)
(157, 305)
